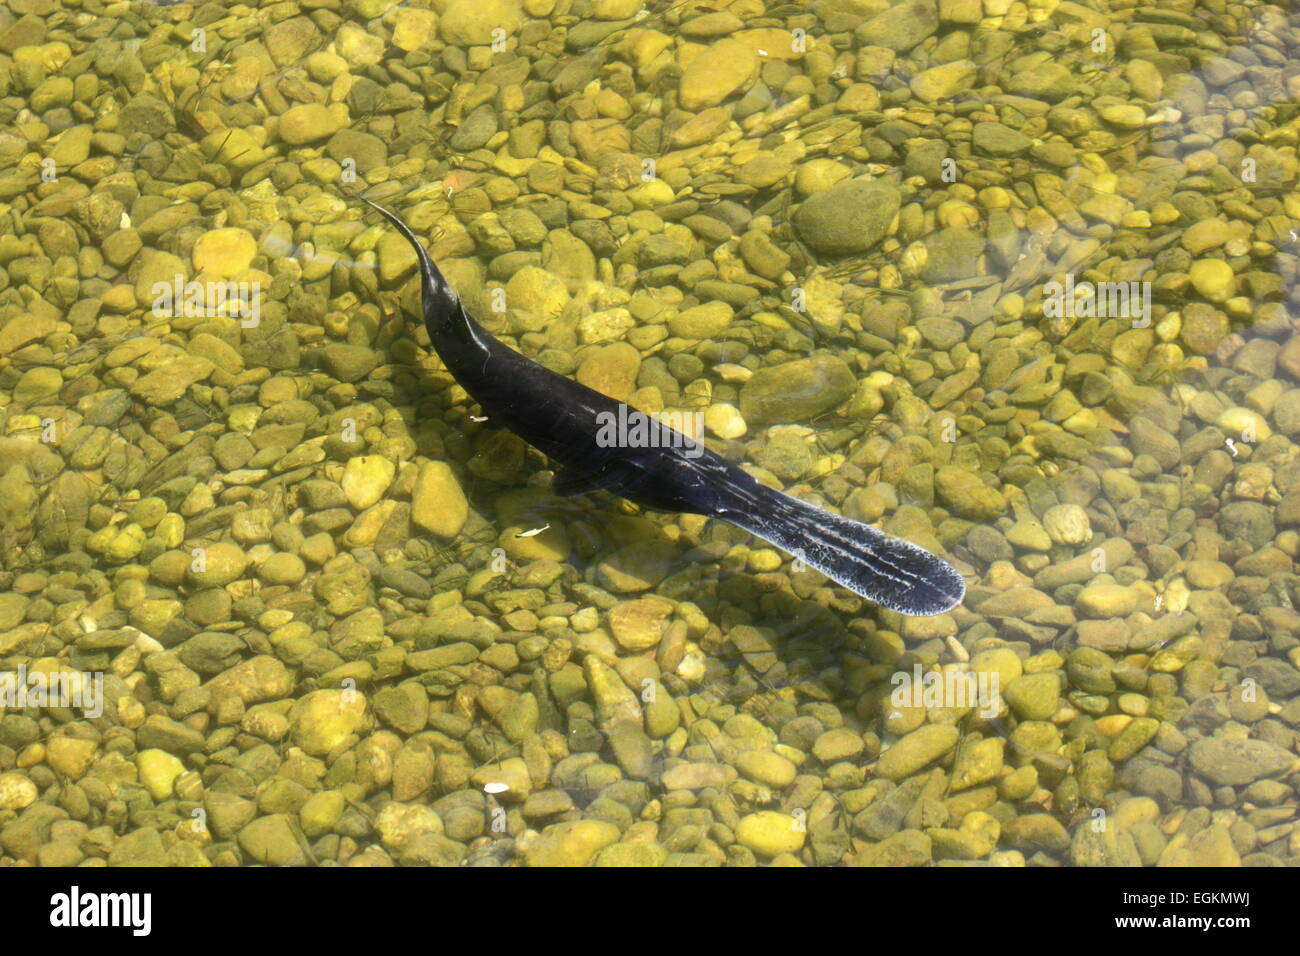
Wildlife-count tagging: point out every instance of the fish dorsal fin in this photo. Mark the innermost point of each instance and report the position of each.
(571, 480)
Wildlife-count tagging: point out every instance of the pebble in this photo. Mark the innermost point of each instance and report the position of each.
(571, 844)
(17, 792)
(323, 719)
(1106, 600)
(721, 69)
(639, 854)
(725, 421)
(217, 565)
(437, 502)
(365, 479)
(1234, 763)
(705, 321)
(224, 252)
(638, 625)
(769, 833)
(1033, 696)
(158, 772)
(1213, 279)
(966, 495)
(838, 744)
(1067, 524)
(915, 750)
(614, 700)
(695, 776)
(1246, 423)
(795, 391)
(847, 218)
(770, 769)
(943, 81)
(471, 22)
(307, 123)
(270, 840)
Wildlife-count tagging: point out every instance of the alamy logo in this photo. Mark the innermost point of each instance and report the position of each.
(80, 689)
(75, 908)
(633, 429)
(949, 688)
(1103, 300)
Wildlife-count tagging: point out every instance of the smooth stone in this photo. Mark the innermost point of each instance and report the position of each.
(571, 844)
(307, 123)
(366, 478)
(725, 67)
(438, 504)
(224, 252)
(323, 719)
(769, 833)
(848, 218)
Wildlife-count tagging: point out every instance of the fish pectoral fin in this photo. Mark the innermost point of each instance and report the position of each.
(571, 480)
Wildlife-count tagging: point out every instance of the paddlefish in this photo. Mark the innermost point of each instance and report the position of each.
(665, 470)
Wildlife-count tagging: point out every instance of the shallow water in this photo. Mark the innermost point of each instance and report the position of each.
(1012, 281)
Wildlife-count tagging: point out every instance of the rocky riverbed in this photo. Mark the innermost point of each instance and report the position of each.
(1009, 279)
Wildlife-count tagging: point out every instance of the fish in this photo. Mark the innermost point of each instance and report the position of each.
(665, 470)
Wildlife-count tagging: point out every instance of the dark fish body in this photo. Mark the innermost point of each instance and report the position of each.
(563, 419)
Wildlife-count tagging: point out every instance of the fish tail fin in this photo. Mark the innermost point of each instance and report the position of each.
(437, 291)
(893, 573)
